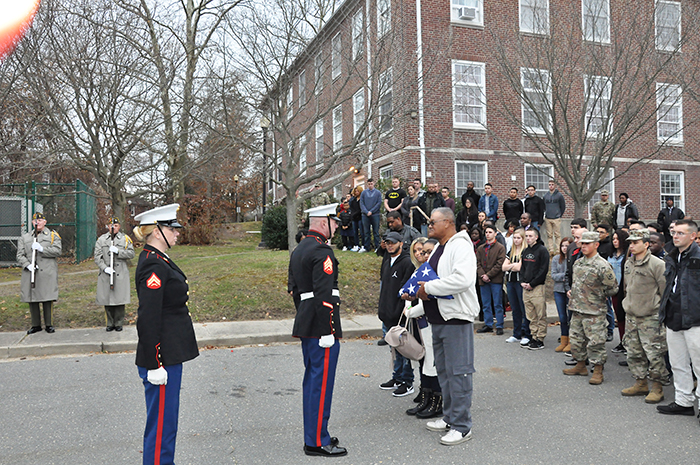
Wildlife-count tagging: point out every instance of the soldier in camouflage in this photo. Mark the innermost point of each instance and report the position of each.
(603, 210)
(644, 339)
(318, 199)
(593, 282)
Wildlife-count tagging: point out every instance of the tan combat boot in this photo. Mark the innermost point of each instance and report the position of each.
(579, 369)
(640, 388)
(656, 395)
(597, 377)
(563, 344)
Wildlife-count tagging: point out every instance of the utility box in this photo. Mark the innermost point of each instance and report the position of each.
(14, 221)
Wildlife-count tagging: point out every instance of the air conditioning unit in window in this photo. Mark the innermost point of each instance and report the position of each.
(467, 13)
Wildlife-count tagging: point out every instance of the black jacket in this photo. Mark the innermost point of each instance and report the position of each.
(689, 271)
(437, 202)
(166, 334)
(535, 207)
(630, 212)
(512, 209)
(535, 265)
(393, 278)
(355, 209)
(665, 218)
(605, 248)
(314, 269)
(572, 254)
(473, 195)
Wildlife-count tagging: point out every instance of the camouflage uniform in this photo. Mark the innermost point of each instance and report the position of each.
(603, 212)
(593, 282)
(320, 198)
(645, 339)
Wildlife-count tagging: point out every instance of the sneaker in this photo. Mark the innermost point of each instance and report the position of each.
(437, 425)
(454, 437)
(675, 409)
(345, 249)
(499, 331)
(404, 389)
(362, 250)
(389, 385)
(382, 342)
(512, 339)
(619, 349)
(485, 329)
(524, 342)
(568, 354)
(535, 345)
(609, 338)
(355, 249)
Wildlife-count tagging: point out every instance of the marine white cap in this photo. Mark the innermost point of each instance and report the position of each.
(165, 215)
(323, 211)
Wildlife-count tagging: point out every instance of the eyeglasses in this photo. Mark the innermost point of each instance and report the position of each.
(426, 252)
(432, 222)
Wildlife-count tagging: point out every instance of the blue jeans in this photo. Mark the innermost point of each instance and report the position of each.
(357, 232)
(403, 371)
(521, 325)
(372, 221)
(491, 297)
(610, 316)
(562, 302)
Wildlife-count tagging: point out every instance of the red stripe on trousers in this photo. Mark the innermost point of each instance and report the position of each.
(323, 396)
(159, 433)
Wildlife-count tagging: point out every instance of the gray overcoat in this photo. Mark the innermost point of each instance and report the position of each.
(121, 294)
(46, 276)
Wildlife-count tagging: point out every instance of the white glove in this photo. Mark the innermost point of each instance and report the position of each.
(109, 270)
(38, 247)
(113, 249)
(158, 376)
(29, 267)
(326, 341)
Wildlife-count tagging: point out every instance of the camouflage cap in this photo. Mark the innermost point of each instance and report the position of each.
(604, 192)
(590, 236)
(638, 235)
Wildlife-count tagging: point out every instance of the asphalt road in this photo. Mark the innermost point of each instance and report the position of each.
(243, 406)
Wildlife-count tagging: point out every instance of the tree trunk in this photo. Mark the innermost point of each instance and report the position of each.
(291, 202)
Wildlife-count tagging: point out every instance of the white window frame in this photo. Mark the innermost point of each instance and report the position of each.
(302, 88)
(337, 127)
(526, 110)
(678, 198)
(663, 111)
(455, 5)
(336, 54)
(609, 186)
(587, 12)
(669, 46)
(535, 169)
(290, 102)
(338, 192)
(461, 184)
(358, 35)
(460, 71)
(302, 155)
(538, 8)
(358, 110)
(319, 141)
(598, 103)
(386, 172)
(383, 17)
(386, 104)
(318, 73)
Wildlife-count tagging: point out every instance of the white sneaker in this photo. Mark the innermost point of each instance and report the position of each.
(345, 249)
(437, 425)
(362, 249)
(524, 342)
(512, 339)
(454, 437)
(355, 249)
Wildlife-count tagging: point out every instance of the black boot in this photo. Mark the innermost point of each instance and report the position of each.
(425, 396)
(434, 409)
(419, 398)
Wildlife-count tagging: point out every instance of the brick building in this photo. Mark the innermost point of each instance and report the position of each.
(448, 94)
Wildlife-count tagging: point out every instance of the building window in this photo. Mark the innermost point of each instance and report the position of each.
(358, 110)
(596, 20)
(597, 96)
(467, 11)
(337, 50)
(539, 176)
(302, 88)
(318, 73)
(338, 192)
(534, 16)
(536, 100)
(383, 17)
(672, 184)
(668, 25)
(302, 156)
(337, 127)
(469, 94)
(319, 141)
(465, 171)
(386, 172)
(385, 101)
(609, 186)
(358, 35)
(669, 102)
(290, 102)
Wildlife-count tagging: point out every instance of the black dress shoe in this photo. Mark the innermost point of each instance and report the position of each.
(382, 342)
(50, 329)
(118, 328)
(34, 329)
(110, 328)
(623, 363)
(326, 451)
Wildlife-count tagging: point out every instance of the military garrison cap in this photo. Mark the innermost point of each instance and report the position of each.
(639, 235)
(590, 236)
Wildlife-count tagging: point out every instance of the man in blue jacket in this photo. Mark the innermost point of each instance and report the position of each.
(370, 203)
(488, 203)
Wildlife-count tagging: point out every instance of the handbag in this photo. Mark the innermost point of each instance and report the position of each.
(401, 338)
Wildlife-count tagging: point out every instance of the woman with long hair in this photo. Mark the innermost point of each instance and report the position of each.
(511, 265)
(469, 214)
(558, 269)
(356, 213)
(411, 200)
(617, 260)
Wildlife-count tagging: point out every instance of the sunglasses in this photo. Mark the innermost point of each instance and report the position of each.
(432, 222)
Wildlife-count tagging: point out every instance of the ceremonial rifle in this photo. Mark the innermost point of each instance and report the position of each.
(33, 272)
(111, 258)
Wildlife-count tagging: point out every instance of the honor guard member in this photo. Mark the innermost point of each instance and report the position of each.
(166, 334)
(112, 250)
(314, 269)
(36, 253)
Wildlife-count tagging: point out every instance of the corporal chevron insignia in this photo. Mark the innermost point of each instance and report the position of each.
(153, 282)
(328, 265)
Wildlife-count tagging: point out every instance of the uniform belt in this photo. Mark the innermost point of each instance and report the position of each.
(310, 295)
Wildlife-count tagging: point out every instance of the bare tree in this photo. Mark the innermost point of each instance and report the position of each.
(590, 93)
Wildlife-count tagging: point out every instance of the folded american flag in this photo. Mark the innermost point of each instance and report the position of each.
(424, 273)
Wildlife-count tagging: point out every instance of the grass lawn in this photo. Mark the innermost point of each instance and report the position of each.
(230, 280)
